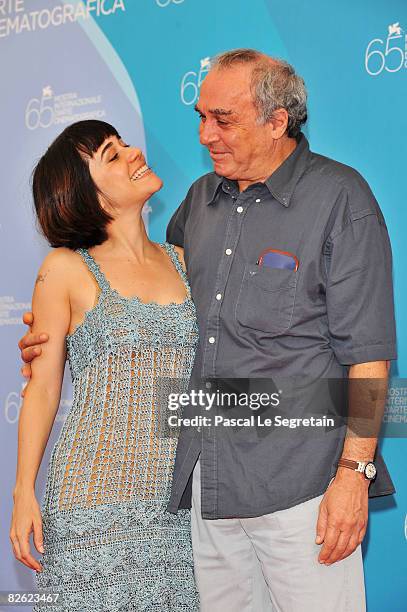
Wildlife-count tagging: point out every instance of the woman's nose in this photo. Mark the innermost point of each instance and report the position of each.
(134, 153)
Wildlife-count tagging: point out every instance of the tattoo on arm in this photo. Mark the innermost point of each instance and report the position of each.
(40, 278)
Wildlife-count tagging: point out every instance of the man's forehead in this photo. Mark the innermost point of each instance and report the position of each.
(232, 79)
(222, 91)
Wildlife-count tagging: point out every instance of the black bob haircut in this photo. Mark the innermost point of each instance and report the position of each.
(65, 195)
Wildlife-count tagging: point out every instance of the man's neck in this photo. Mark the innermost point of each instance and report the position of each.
(283, 149)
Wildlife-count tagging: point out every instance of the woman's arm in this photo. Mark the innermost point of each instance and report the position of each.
(51, 308)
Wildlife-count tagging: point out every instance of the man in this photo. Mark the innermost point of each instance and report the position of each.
(290, 269)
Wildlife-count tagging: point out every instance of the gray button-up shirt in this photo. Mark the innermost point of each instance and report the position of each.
(335, 310)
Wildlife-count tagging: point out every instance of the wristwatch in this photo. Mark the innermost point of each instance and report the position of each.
(367, 468)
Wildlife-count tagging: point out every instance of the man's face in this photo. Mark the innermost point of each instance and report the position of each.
(239, 146)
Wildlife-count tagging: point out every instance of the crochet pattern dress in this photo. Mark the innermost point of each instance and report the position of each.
(109, 543)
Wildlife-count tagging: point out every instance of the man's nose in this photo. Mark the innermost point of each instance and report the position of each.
(208, 133)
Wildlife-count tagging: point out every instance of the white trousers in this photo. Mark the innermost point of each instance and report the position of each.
(269, 563)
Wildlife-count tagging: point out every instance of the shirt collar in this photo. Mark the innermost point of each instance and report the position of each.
(281, 183)
(213, 187)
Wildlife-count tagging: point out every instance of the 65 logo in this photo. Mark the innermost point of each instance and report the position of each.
(165, 3)
(40, 111)
(389, 54)
(61, 108)
(192, 80)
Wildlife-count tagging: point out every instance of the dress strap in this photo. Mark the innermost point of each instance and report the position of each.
(93, 267)
(177, 263)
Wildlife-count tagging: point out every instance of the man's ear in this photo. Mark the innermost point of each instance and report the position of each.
(278, 123)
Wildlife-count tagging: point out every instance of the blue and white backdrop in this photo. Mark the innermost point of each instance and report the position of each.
(139, 64)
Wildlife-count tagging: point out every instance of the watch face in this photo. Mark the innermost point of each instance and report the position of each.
(370, 470)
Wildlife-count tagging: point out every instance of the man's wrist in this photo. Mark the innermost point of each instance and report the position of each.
(352, 469)
(343, 473)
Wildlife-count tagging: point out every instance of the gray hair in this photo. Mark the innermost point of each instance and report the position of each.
(274, 85)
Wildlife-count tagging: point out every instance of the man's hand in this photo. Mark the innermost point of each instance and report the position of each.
(343, 515)
(29, 346)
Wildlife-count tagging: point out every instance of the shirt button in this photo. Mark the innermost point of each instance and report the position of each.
(258, 200)
(208, 385)
(239, 209)
(198, 429)
(218, 296)
(211, 340)
(228, 251)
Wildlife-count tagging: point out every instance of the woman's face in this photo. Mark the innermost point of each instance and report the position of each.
(120, 172)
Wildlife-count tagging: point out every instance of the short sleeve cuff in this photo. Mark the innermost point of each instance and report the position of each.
(363, 354)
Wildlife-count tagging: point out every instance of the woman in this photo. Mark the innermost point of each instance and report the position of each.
(119, 307)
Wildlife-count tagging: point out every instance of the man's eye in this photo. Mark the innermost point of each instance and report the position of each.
(114, 157)
(222, 122)
(202, 117)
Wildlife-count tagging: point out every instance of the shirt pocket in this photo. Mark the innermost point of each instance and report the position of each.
(266, 298)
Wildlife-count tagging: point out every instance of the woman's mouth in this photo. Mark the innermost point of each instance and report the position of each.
(140, 172)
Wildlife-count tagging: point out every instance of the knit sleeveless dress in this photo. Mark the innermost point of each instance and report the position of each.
(110, 545)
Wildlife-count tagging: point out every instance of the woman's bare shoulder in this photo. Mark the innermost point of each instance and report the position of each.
(60, 256)
(56, 259)
(61, 264)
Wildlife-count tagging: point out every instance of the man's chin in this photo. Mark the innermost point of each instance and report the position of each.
(222, 169)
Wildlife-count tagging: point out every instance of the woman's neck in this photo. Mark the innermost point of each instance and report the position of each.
(127, 238)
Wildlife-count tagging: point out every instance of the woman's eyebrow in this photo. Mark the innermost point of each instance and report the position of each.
(109, 144)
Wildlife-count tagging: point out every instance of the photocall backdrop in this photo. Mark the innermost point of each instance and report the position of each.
(138, 64)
